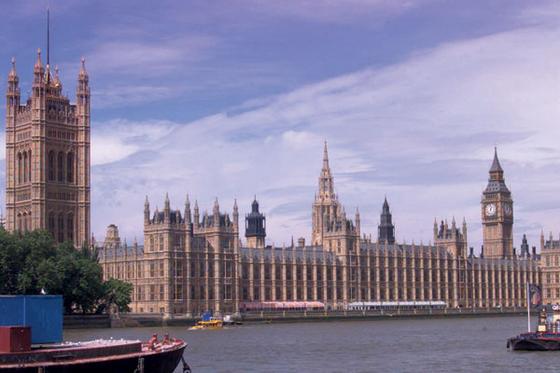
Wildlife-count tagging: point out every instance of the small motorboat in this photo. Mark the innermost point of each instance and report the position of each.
(208, 324)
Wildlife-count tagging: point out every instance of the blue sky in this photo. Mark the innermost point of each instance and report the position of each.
(234, 98)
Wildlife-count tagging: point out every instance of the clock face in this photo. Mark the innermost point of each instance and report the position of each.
(490, 209)
(508, 210)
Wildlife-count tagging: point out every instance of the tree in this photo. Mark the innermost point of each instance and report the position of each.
(32, 262)
(117, 294)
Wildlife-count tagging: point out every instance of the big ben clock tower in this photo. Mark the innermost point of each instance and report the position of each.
(497, 214)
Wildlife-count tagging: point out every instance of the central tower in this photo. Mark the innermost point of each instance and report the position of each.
(48, 156)
(497, 214)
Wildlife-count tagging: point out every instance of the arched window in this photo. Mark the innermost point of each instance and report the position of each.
(19, 168)
(24, 167)
(29, 166)
(19, 222)
(70, 167)
(29, 222)
(60, 228)
(60, 166)
(52, 224)
(51, 167)
(70, 227)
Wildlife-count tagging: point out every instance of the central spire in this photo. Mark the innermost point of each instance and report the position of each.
(326, 158)
(326, 184)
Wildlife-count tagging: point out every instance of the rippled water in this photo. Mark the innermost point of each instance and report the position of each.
(413, 345)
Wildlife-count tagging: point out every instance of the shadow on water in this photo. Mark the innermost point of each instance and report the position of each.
(427, 345)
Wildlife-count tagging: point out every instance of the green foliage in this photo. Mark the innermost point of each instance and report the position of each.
(32, 262)
(118, 294)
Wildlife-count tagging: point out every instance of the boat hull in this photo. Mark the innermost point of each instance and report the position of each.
(533, 343)
(156, 362)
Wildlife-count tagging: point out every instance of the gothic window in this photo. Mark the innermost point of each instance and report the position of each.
(70, 167)
(70, 227)
(29, 167)
(60, 227)
(60, 167)
(19, 222)
(51, 166)
(19, 168)
(52, 226)
(25, 222)
(24, 167)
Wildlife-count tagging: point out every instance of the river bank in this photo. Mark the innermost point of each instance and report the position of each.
(158, 320)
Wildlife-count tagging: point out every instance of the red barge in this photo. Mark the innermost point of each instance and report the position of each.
(31, 342)
(107, 356)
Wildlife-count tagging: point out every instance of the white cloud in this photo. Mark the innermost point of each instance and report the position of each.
(421, 131)
(118, 139)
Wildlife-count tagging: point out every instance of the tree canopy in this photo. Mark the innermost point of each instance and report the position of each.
(32, 262)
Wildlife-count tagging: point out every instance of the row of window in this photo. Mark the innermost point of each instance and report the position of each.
(60, 167)
(23, 167)
(61, 226)
(23, 221)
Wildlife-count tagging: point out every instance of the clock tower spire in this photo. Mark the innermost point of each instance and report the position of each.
(497, 214)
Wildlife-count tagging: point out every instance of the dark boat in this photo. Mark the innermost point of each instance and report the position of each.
(535, 342)
(547, 335)
(107, 356)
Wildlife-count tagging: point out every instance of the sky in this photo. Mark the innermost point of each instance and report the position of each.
(232, 99)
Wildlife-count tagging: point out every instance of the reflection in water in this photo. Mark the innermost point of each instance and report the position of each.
(417, 345)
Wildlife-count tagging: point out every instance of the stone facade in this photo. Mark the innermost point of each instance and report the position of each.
(48, 156)
(550, 266)
(189, 265)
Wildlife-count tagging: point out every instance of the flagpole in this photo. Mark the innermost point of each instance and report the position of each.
(528, 309)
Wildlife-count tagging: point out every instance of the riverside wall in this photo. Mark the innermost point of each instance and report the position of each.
(158, 320)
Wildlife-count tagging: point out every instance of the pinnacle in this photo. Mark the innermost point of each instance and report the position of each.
(496, 167)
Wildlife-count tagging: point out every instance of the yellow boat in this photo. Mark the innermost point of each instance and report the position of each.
(210, 324)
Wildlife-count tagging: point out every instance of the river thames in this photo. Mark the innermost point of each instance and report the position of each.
(399, 345)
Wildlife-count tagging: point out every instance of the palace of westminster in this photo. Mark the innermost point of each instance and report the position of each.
(191, 263)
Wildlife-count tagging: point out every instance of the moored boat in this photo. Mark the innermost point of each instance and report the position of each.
(535, 342)
(107, 356)
(547, 334)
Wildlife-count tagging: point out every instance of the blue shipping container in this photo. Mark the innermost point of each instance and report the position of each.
(43, 313)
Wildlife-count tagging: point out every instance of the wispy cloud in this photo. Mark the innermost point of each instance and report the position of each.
(421, 131)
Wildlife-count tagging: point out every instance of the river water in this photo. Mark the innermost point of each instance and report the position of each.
(399, 345)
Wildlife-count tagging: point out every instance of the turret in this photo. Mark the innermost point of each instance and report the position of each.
(12, 95)
(196, 214)
(83, 95)
(188, 220)
(235, 215)
(386, 229)
(255, 227)
(524, 247)
(216, 213)
(167, 209)
(358, 222)
(147, 211)
(38, 70)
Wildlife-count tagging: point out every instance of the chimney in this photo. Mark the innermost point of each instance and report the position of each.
(301, 242)
(471, 252)
(482, 251)
(534, 251)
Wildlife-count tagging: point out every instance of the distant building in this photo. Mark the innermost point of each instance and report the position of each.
(48, 156)
(550, 267)
(190, 264)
